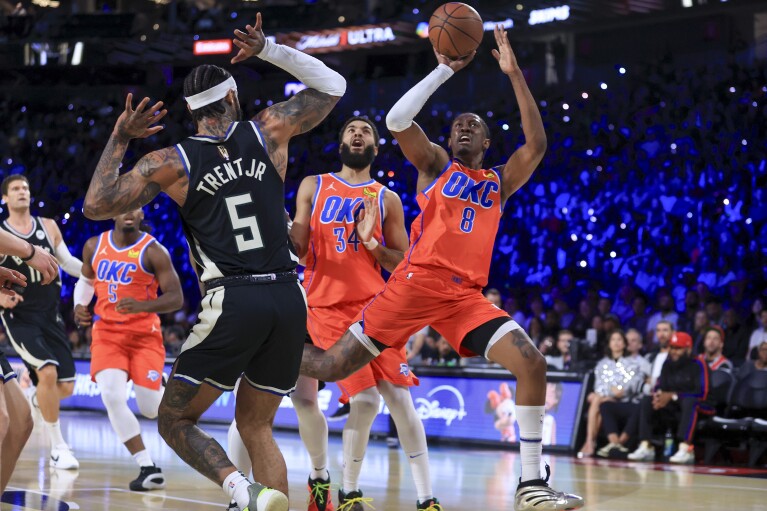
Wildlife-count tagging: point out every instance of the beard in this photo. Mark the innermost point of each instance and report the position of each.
(357, 161)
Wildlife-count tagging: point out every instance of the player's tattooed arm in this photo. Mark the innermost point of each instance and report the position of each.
(198, 449)
(111, 194)
(345, 357)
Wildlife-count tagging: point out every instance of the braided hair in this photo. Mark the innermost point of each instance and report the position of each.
(201, 79)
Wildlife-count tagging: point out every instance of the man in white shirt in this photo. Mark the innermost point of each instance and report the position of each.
(760, 334)
(664, 331)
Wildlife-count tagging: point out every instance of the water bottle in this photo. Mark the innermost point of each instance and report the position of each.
(668, 444)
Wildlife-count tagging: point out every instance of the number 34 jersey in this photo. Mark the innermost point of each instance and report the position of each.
(339, 269)
(456, 229)
(234, 214)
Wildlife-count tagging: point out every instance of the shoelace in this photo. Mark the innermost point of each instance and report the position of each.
(433, 507)
(318, 492)
(347, 506)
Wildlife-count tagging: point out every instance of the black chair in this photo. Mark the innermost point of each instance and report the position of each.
(757, 443)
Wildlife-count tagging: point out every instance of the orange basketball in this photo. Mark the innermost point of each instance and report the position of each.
(455, 29)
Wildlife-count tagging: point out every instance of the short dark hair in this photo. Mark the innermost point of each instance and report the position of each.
(10, 179)
(481, 121)
(363, 119)
(201, 79)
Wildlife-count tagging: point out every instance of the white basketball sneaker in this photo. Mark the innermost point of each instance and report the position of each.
(685, 455)
(536, 495)
(645, 452)
(263, 498)
(62, 458)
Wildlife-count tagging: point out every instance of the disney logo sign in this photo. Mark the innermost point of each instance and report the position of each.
(428, 408)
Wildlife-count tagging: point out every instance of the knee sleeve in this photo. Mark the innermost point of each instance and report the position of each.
(148, 400)
(112, 384)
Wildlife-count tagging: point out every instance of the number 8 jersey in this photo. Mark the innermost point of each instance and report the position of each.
(338, 268)
(234, 214)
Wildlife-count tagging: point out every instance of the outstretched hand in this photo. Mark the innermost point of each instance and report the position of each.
(250, 43)
(504, 54)
(455, 64)
(366, 220)
(138, 123)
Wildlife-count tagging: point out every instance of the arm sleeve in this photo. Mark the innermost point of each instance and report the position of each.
(401, 115)
(67, 261)
(311, 71)
(83, 291)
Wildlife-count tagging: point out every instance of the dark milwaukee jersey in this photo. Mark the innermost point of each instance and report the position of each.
(234, 214)
(37, 297)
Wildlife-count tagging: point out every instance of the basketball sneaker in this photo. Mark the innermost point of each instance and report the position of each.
(233, 506)
(604, 452)
(645, 452)
(150, 478)
(263, 498)
(353, 501)
(429, 505)
(319, 495)
(341, 413)
(536, 495)
(62, 458)
(685, 455)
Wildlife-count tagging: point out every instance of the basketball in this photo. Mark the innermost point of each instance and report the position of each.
(455, 29)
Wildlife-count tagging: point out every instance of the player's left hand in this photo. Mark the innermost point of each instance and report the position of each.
(138, 123)
(10, 278)
(250, 43)
(365, 222)
(504, 54)
(129, 306)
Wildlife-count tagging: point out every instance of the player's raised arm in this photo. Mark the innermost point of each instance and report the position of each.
(303, 111)
(299, 230)
(524, 160)
(111, 194)
(427, 157)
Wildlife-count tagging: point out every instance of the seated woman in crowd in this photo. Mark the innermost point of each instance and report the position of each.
(619, 380)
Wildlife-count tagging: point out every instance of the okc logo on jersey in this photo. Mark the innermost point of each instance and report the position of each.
(339, 210)
(153, 375)
(115, 271)
(465, 188)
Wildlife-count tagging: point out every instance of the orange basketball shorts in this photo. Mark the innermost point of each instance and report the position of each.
(416, 297)
(328, 324)
(140, 354)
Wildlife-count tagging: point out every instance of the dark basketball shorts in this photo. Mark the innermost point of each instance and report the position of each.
(40, 340)
(6, 371)
(253, 330)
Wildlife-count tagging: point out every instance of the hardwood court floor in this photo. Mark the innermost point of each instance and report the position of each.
(464, 479)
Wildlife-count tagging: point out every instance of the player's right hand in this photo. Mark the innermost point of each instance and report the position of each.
(455, 64)
(250, 43)
(9, 301)
(365, 222)
(83, 316)
(46, 264)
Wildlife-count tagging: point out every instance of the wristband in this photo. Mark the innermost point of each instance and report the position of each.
(370, 245)
(25, 259)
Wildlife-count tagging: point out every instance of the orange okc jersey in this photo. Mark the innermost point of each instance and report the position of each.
(338, 268)
(120, 273)
(455, 231)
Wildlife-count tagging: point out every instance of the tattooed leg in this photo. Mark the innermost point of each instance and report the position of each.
(516, 352)
(180, 409)
(345, 357)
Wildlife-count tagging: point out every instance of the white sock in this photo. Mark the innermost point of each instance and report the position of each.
(54, 434)
(236, 450)
(236, 488)
(364, 408)
(411, 435)
(312, 426)
(530, 420)
(143, 459)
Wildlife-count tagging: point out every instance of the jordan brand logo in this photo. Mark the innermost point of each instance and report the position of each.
(332, 186)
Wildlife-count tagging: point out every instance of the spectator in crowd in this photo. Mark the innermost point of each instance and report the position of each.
(664, 332)
(535, 330)
(604, 306)
(700, 327)
(759, 335)
(623, 307)
(494, 297)
(760, 364)
(173, 338)
(446, 355)
(558, 356)
(635, 342)
(80, 348)
(552, 323)
(665, 312)
(420, 346)
(583, 319)
(713, 343)
(736, 337)
(617, 378)
(639, 319)
(566, 316)
(691, 308)
(714, 311)
(511, 305)
(680, 395)
(536, 310)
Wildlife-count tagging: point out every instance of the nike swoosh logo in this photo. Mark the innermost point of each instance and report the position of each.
(55, 459)
(417, 455)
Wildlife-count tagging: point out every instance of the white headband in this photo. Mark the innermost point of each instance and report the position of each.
(212, 95)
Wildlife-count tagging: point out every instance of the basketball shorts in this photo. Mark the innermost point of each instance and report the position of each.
(256, 330)
(40, 340)
(140, 354)
(326, 325)
(416, 297)
(6, 371)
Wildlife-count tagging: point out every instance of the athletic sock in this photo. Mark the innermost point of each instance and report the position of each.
(319, 473)
(236, 488)
(530, 420)
(143, 459)
(54, 435)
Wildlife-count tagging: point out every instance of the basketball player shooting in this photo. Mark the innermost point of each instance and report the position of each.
(228, 183)
(440, 280)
